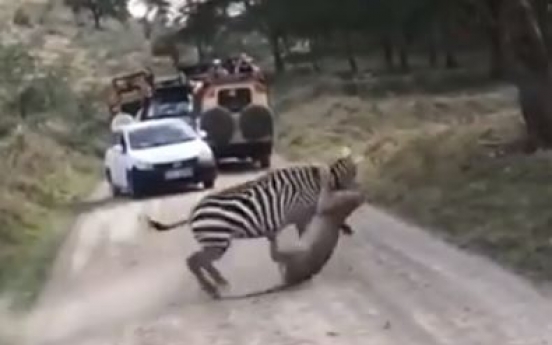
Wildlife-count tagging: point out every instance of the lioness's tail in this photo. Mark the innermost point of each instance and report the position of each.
(165, 227)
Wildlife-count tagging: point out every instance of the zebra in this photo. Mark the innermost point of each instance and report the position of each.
(258, 208)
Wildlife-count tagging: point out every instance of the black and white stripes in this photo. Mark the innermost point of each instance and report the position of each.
(262, 207)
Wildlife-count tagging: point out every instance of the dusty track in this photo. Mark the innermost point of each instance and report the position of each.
(115, 282)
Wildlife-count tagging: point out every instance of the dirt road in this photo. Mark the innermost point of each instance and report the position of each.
(118, 283)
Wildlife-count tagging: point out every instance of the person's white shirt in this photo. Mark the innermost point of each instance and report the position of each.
(121, 119)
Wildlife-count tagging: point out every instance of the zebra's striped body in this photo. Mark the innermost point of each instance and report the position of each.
(263, 207)
(259, 208)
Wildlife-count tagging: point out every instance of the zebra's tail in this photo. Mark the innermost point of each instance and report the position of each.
(165, 227)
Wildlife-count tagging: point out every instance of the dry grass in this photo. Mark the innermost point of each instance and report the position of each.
(444, 160)
(43, 177)
(54, 160)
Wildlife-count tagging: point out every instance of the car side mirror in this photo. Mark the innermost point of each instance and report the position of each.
(118, 148)
(202, 134)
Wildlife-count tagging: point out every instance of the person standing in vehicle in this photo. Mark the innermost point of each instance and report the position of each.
(245, 65)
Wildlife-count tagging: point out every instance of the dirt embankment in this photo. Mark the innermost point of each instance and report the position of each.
(52, 131)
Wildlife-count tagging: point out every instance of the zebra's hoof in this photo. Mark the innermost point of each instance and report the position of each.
(213, 293)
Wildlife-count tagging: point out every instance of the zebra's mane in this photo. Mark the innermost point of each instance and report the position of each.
(263, 179)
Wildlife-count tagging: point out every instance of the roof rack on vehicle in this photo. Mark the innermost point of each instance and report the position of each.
(129, 88)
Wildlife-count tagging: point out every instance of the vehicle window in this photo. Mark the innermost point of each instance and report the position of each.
(160, 135)
(173, 94)
(234, 99)
(131, 107)
(158, 110)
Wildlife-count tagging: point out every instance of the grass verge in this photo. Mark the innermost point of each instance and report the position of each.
(52, 132)
(45, 177)
(445, 160)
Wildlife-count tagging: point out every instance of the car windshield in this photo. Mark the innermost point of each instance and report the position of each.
(174, 94)
(169, 109)
(160, 135)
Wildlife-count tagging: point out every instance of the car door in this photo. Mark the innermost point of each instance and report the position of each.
(117, 161)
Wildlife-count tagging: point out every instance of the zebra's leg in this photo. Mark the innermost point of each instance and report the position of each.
(203, 259)
(216, 275)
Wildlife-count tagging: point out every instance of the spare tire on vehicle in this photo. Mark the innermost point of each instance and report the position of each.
(218, 124)
(256, 122)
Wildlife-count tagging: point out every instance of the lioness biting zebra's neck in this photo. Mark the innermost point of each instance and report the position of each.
(258, 208)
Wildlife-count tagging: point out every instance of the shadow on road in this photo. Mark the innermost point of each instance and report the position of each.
(236, 167)
(226, 168)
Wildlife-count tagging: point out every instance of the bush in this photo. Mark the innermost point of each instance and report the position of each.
(22, 18)
(42, 118)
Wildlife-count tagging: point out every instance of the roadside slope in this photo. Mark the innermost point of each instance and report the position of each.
(53, 129)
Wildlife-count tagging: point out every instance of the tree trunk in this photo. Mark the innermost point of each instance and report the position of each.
(350, 53)
(175, 56)
(97, 16)
(432, 53)
(450, 58)
(314, 54)
(496, 63)
(528, 58)
(200, 50)
(279, 64)
(404, 62)
(388, 53)
(541, 9)
(146, 27)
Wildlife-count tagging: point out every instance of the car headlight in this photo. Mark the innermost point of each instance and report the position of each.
(206, 155)
(143, 165)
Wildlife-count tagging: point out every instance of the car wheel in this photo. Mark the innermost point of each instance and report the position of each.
(115, 191)
(265, 161)
(134, 189)
(209, 184)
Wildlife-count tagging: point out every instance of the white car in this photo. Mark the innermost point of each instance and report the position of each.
(145, 155)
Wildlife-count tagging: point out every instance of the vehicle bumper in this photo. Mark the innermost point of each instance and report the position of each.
(157, 178)
(243, 150)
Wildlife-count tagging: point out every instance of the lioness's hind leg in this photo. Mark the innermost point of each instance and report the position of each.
(275, 254)
(347, 229)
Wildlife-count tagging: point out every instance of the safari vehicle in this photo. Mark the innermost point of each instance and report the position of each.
(128, 91)
(172, 98)
(235, 114)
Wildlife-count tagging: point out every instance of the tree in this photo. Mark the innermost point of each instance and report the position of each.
(99, 9)
(159, 10)
(529, 64)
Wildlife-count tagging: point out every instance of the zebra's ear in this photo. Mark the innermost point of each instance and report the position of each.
(346, 151)
(358, 159)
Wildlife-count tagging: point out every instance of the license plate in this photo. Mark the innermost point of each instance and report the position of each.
(178, 173)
